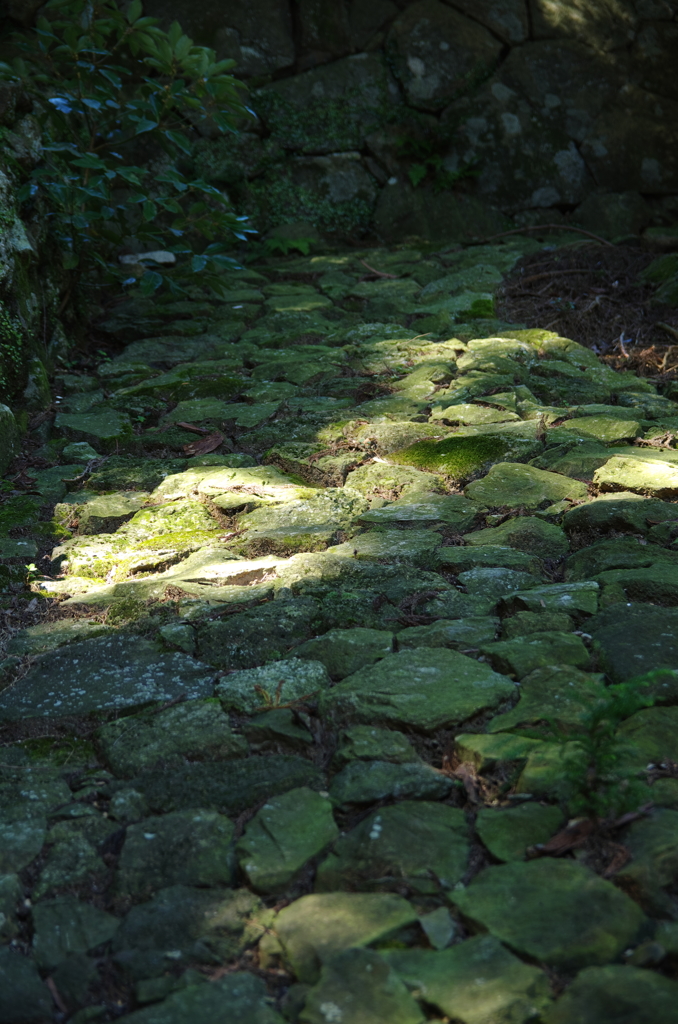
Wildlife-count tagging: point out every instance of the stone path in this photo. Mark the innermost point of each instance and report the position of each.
(311, 697)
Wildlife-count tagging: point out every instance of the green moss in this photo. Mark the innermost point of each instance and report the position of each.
(457, 457)
(661, 269)
(276, 199)
(58, 752)
(20, 511)
(12, 355)
(126, 610)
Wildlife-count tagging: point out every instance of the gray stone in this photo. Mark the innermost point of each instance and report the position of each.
(426, 689)
(69, 862)
(611, 994)
(431, 74)
(459, 634)
(203, 925)
(422, 845)
(196, 730)
(452, 509)
(21, 839)
(315, 928)
(181, 848)
(97, 675)
(24, 998)
(229, 787)
(476, 981)
(257, 636)
(365, 782)
(240, 996)
(345, 651)
(560, 912)
(64, 925)
(287, 832)
(409, 547)
(573, 598)
(45, 636)
(461, 559)
(281, 682)
(523, 655)
(11, 892)
(367, 743)
(507, 833)
(359, 985)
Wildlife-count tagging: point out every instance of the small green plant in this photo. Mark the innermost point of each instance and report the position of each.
(427, 150)
(597, 778)
(119, 101)
(287, 245)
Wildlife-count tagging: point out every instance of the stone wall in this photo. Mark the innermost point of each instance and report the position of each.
(32, 337)
(448, 118)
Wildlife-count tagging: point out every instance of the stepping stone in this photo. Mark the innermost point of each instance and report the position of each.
(459, 634)
(281, 682)
(198, 924)
(365, 782)
(507, 833)
(412, 547)
(453, 509)
(527, 623)
(622, 513)
(620, 553)
(345, 651)
(46, 636)
(181, 848)
(379, 479)
(651, 736)
(656, 585)
(607, 995)
(414, 843)
(555, 693)
(607, 429)
(21, 840)
(240, 997)
(102, 675)
(495, 583)
(425, 689)
(24, 997)
(64, 926)
(475, 981)
(359, 985)
(653, 867)
(571, 598)
(560, 912)
(462, 559)
(193, 729)
(646, 472)
(315, 928)
(286, 833)
(523, 655)
(513, 485)
(526, 533)
(633, 639)
(367, 743)
(102, 427)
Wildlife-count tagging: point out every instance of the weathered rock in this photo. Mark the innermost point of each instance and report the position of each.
(21, 839)
(513, 485)
(426, 689)
(461, 559)
(365, 782)
(558, 694)
(625, 513)
(560, 912)
(24, 997)
(315, 928)
(649, 736)
(70, 862)
(605, 995)
(378, 479)
(526, 533)
(645, 472)
(495, 583)
(102, 427)
(452, 509)
(485, 751)
(475, 981)
(573, 598)
(181, 848)
(524, 655)
(196, 730)
(240, 996)
(279, 683)
(258, 636)
(508, 833)
(344, 652)
(199, 924)
(632, 639)
(460, 634)
(359, 985)
(526, 623)
(422, 845)
(103, 674)
(287, 832)
(621, 553)
(64, 926)
(367, 743)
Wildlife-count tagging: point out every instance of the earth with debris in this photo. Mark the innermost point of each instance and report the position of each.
(345, 688)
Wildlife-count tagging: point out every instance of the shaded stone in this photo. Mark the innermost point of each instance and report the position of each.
(64, 925)
(431, 74)
(11, 892)
(96, 675)
(603, 428)
(422, 845)
(180, 848)
(103, 427)
(344, 652)
(631, 640)
(460, 634)
(45, 636)
(495, 583)
(485, 751)
(462, 559)
(453, 509)
(526, 623)
(356, 986)
(257, 636)
(475, 981)
(574, 598)
(315, 928)
(526, 533)
(560, 912)
(195, 729)
(513, 485)
(279, 683)
(283, 836)
(426, 689)
(558, 694)
(620, 553)
(524, 655)
(281, 725)
(508, 832)
(69, 862)
(20, 841)
(240, 996)
(207, 925)
(24, 997)
(626, 513)
(365, 782)
(650, 736)
(413, 547)
(654, 858)
(229, 787)
(367, 743)
(611, 994)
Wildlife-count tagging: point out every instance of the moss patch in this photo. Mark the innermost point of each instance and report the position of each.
(456, 457)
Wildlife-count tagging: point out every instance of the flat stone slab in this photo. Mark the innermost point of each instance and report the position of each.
(425, 688)
(102, 675)
(555, 693)
(606, 995)
(556, 911)
(364, 782)
(507, 833)
(632, 639)
(513, 484)
(359, 985)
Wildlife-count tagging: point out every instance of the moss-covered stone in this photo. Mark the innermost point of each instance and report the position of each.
(455, 457)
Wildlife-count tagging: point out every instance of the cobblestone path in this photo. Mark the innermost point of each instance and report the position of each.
(301, 736)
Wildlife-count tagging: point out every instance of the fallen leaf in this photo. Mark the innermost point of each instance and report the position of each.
(207, 444)
(193, 428)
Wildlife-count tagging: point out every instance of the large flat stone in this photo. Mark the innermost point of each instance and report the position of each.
(425, 688)
(359, 985)
(615, 993)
